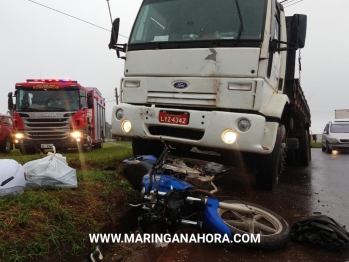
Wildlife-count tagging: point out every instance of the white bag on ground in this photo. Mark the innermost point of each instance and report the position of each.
(50, 171)
(12, 179)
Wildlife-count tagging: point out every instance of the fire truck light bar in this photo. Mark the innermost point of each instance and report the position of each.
(51, 80)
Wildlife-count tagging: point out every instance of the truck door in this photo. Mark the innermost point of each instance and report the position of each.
(274, 63)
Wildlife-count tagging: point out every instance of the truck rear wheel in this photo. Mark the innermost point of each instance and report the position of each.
(99, 145)
(146, 147)
(304, 149)
(271, 166)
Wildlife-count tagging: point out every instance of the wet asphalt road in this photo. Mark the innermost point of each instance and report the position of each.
(320, 187)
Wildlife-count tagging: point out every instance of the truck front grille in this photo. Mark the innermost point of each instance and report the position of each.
(207, 99)
(47, 128)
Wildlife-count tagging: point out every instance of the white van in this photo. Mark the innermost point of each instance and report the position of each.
(336, 136)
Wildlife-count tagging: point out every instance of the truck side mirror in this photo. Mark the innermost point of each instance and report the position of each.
(299, 30)
(10, 101)
(114, 34)
(296, 32)
(89, 101)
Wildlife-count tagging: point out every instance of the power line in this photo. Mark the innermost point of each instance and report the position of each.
(293, 3)
(73, 17)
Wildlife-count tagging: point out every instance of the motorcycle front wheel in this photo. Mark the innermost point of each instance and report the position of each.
(273, 230)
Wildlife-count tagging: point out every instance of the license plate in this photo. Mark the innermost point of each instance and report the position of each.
(46, 145)
(178, 119)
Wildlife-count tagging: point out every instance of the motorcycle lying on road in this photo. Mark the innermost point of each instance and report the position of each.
(165, 198)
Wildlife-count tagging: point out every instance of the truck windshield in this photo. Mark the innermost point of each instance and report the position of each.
(340, 128)
(47, 100)
(198, 20)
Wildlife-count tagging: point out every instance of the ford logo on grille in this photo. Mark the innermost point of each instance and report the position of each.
(180, 85)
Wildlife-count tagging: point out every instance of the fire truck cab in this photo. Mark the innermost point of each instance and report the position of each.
(56, 112)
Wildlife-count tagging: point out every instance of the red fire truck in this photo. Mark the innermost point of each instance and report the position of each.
(56, 112)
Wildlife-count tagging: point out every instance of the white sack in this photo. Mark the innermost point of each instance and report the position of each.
(50, 171)
(12, 179)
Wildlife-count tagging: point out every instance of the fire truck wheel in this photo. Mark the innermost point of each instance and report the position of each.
(27, 151)
(7, 146)
(88, 146)
(99, 145)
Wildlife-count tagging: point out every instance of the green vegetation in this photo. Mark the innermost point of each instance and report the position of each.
(316, 145)
(39, 222)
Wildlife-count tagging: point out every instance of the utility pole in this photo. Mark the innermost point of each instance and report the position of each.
(116, 95)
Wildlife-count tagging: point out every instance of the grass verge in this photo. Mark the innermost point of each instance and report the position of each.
(39, 222)
(316, 145)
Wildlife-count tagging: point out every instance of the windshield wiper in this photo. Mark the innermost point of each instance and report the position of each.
(241, 28)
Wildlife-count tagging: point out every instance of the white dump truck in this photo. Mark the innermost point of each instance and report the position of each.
(215, 80)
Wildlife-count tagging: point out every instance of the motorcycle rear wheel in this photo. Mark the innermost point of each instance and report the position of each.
(273, 229)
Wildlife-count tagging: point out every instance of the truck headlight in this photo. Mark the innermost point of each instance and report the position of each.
(244, 125)
(228, 136)
(126, 126)
(19, 135)
(76, 134)
(333, 140)
(119, 114)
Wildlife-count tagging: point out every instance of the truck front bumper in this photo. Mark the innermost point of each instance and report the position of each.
(64, 143)
(203, 129)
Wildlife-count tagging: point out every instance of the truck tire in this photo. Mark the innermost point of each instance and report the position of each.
(146, 147)
(99, 145)
(304, 152)
(270, 166)
(27, 151)
(7, 146)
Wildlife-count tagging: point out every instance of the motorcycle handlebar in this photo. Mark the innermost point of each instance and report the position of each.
(161, 157)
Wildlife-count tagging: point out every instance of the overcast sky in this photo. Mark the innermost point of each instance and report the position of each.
(36, 42)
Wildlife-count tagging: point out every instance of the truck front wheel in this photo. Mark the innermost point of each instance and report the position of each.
(270, 166)
(27, 151)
